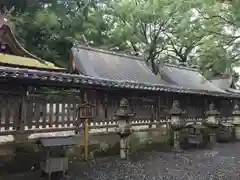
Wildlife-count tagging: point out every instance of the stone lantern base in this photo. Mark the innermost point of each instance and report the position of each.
(236, 120)
(237, 132)
(124, 147)
(236, 123)
(212, 138)
(176, 141)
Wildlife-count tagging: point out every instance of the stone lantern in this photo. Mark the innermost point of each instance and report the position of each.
(236, 121)
(177, 123)
(211, 122)
(124, 130)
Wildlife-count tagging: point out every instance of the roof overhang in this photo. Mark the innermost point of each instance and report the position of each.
(70, 80)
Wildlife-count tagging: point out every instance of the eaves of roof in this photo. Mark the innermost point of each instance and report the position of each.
(48, 77)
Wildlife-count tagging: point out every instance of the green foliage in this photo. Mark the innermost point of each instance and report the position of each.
(219, 53)
(53, 27)
(213, 59)
(142, 26)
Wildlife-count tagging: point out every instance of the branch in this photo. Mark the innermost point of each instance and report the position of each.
(161, 49)
(216, 17)
(174, 57)
(177, 52)
(134, 47)
(225, 35)
(234, 60)
(187, 51)
(166, 21)
(144, 31)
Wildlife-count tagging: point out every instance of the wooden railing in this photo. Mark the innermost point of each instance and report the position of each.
(10, 112)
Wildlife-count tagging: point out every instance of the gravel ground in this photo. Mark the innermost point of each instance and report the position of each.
(220, 163)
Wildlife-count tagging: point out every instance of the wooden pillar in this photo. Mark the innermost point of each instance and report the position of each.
(86, 139)
(105, 103)
(20, 135)
(158, 109)
(23, 114)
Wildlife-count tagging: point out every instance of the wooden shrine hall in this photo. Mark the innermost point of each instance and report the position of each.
(37, 96)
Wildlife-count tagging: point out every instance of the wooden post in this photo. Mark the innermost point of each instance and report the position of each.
(20, 135)
(86, 139)
(86, 113)
(23, 111)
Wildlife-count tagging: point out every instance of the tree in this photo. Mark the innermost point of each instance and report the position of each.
(54, 25)
(167, 31)
(219, 53)
(141, 26)
(185, 36)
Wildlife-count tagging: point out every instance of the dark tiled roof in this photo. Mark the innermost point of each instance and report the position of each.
(187, 77)
(234, 92)
(105, 64)
(65, 79)
(77, 80)
(223, 83)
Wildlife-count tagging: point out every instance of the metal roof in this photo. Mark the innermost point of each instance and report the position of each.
(235, 91)
(105, 64)
(187, 77)
(114, 66)
(223, 83)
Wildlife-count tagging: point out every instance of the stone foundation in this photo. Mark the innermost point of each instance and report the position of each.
(237, 132)
(20, 158)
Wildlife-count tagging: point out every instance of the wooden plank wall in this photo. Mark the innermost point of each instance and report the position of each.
(58, 112)
(9, 112)
(54, 112)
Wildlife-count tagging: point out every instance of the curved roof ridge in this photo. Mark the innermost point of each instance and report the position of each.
(182, 67)
(97, 63)
(140, 58)
(107, 51)
(19, 46)
(5, 25)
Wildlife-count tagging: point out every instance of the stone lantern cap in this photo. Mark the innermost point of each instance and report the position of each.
(176, 110)
(212, 110)
(236, 110)
(124, 110)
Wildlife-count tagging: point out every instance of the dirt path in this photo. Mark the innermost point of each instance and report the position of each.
(220, 163)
